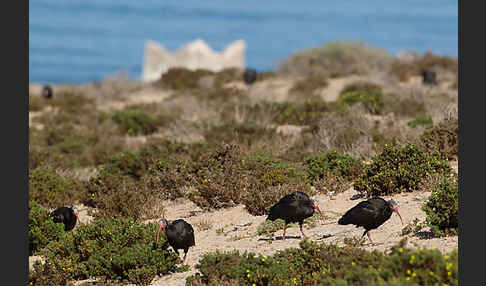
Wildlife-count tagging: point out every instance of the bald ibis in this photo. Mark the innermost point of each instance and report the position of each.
(47, 92)
(370, 214)
(294, 207)
(179, 233)
(67, 215)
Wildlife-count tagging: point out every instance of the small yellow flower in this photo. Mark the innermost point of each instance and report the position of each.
(431, 273)
(446, 256)
(253, 284)
(318, 250)
(379, 269)
(400, 250)
(414, 274)
(248, 275)
(408, 278)
(449, 273)
(409, 271)
(247, 270)
(352, 263)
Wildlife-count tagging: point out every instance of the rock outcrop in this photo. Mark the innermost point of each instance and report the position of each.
(195, 55)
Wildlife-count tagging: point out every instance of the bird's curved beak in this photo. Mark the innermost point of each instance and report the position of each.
(77, 216)
(319, 210)
(160, 227)
(395, 209)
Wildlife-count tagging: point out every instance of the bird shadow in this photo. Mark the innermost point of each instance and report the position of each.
(280, 238)
(424, 234)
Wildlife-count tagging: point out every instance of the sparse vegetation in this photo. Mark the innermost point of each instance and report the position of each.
(116, 249)
(328, 264)
(220, 145)
(42, 229)
(442, 138)
(399, 169)
(442, 208)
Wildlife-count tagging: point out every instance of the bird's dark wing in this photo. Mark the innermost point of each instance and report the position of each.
(361, 214)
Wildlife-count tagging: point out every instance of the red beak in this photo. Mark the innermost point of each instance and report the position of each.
(318, 209)
(77, 216)
(395, 209)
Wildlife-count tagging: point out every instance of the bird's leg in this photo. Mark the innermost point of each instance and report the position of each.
(303, 234)
(285, 227)
(368, 234)
(185, 254)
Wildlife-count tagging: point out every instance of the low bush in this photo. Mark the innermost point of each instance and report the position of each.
(49, 189)
(341, 58)
(420, 121)
(306, 113)
(332, 161)
(113, 249)
(42, 228)
(327, 264)
(399, 168)
(363, 86)
(442, 207)
(134, 122)
(126, 163)
(442, 138)
(372, 100)
(182, 78)
(121, 197)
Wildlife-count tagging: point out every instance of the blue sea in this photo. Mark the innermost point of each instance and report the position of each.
(77, 41)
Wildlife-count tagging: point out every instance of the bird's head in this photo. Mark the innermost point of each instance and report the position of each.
(394, 207)
(76, 213)
(316, 206)
(162, 226)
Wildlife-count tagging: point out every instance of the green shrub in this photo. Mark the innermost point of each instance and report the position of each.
(334, 162)
(306, 113)
(125, 163)
(42, 229)
(183, 78)
(116, 249)
(442, 207)
(442, 138)
(371, 100)
(363, 86)
(328, 264)
(49, 189)
(399, 168)
(420, 121)
(120, 197)
(134, 122)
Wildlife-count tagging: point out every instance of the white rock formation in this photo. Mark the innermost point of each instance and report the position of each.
(197, 54)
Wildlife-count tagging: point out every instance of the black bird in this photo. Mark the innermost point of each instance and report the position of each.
(250, 76)
(179, 233)
(47, 92)
(67, 215)
(429, 77)
(370, 214)
(294, 207)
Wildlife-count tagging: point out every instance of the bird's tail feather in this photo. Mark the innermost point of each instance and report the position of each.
(344, 220)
